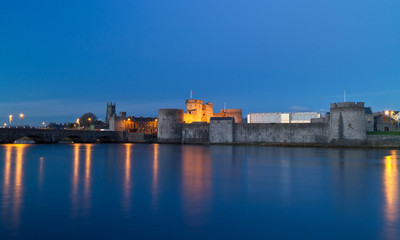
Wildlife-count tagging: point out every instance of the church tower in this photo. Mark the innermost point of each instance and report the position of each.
(110, 111)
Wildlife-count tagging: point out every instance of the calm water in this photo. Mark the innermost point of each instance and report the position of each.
(144, 191)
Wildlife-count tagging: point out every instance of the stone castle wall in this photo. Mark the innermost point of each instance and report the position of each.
(170, 125)
(195, 133)
(315, 133)
(345, 126)
(347, 123)
(221, 130)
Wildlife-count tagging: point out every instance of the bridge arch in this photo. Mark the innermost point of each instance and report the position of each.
(66, 140)
(73, 139)
(30, 139)
(105, 139)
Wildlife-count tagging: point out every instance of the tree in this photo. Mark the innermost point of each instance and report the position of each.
(87, 119)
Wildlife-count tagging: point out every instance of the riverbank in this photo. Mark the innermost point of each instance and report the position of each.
(373, 141)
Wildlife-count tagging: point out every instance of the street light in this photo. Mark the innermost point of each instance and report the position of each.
(78, 122)
(10, 119)
(5, 124)
(22, 118)
(44, 124)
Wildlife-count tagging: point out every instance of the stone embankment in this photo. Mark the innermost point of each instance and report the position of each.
(382, 141)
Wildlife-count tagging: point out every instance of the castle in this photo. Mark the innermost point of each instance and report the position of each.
(196, 111)
(345, 125)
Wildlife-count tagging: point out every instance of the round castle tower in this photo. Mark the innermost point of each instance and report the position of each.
(170, 125)
(347, 123)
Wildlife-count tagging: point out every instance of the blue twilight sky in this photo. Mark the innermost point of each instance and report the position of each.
(59, 59)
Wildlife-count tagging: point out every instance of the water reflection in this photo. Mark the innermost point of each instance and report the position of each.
(188, 190)
(75, 175)
(127, 180)
(13, 192)
(76, 178)
(18, 187)
(391, 192)
(286, 180)
(196, 171)
(155, 175)
(7, 169)
(6, 181)
(41, 172)
(88, 163)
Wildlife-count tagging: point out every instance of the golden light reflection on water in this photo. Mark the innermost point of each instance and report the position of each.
(6, 181)
(13, 191)
(88, 165)
(155, 176)
(7, 169)
(76, 196)
(75, 175)
(127, 179)
(18, 187)
(196, 167)
(391, 192)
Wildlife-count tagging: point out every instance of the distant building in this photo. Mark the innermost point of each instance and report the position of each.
(147, 125)
(235, 113)
(117, 123)
(121, 122)
(295, 117)
(386, 121)
(369, 119)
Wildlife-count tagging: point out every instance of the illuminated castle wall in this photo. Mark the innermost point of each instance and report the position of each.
(196, 111)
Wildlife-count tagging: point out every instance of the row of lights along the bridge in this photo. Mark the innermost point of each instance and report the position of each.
(21, 115)
(10, 119)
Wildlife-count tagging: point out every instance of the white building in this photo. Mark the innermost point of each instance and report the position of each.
(303, 117)
(268, 118)
(295, 117)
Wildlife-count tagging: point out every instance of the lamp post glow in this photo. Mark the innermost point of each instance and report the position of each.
(22, 118)
(10, 119)
(44, 124)
(78, 122)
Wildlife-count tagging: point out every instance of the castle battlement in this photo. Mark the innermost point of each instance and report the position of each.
(347, 105)
(194, 101)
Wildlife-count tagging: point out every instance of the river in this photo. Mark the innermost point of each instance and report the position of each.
(152, 191)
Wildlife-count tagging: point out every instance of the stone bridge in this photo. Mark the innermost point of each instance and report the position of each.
(10, 135)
